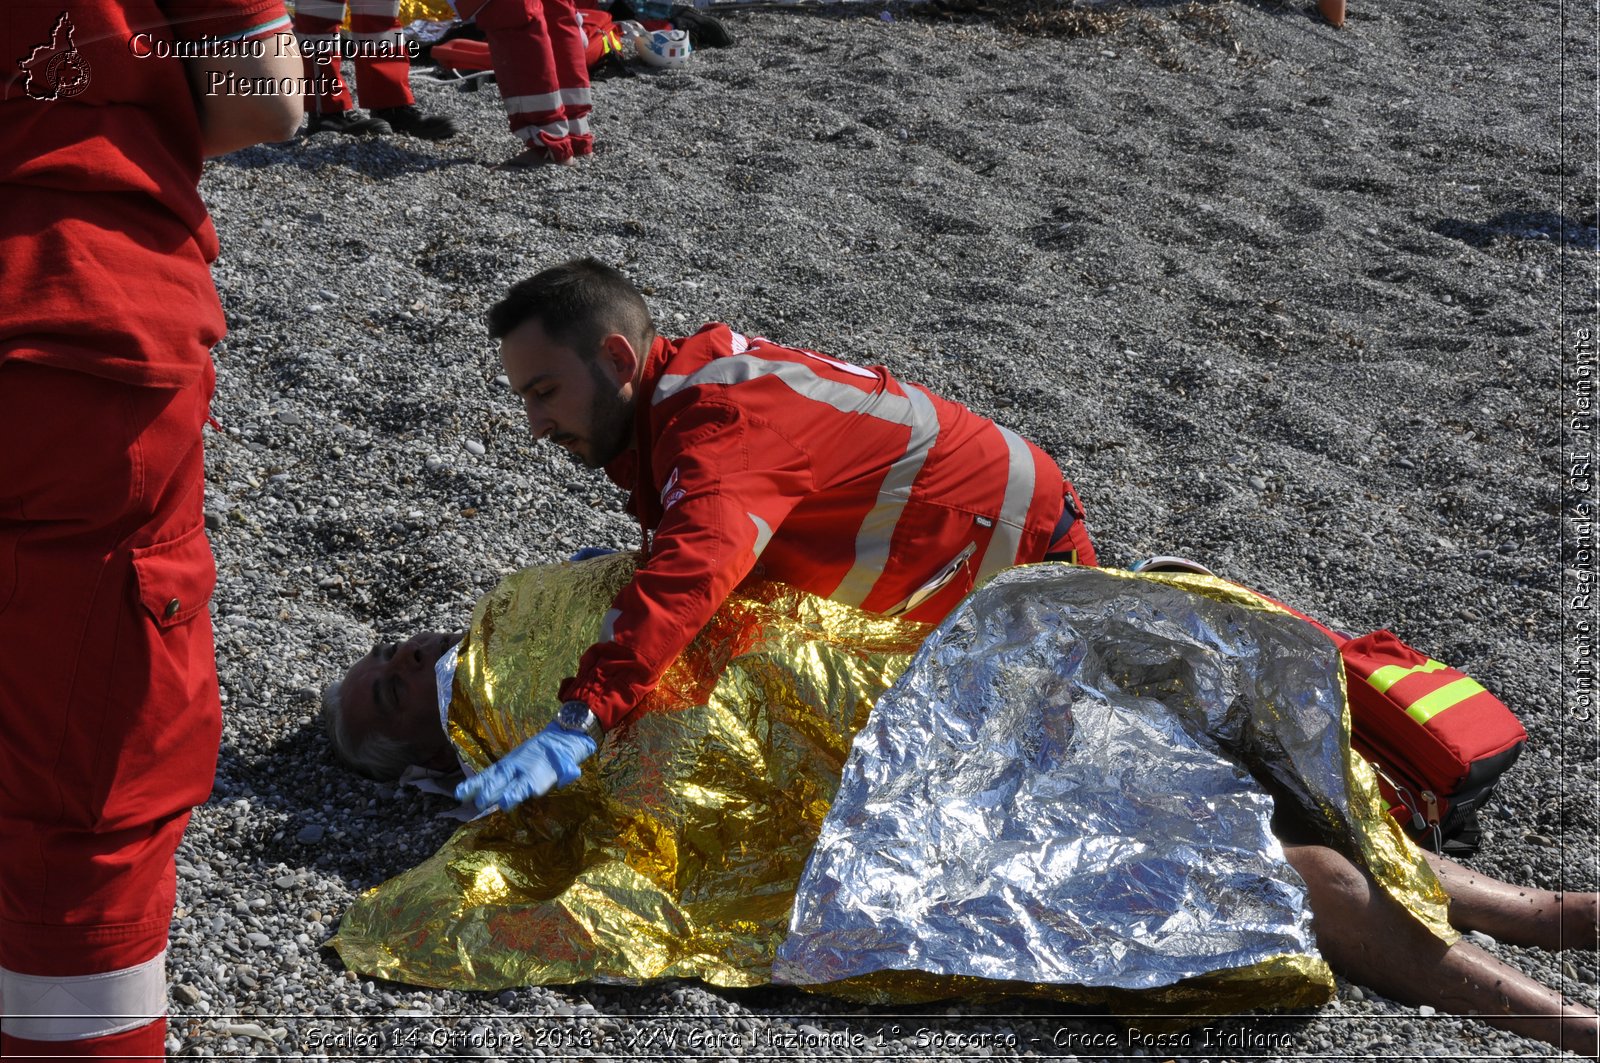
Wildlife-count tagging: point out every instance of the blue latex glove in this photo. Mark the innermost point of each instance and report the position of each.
(586, 552)
(547, 760)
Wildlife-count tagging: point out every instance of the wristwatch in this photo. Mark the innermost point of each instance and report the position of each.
(577, 717)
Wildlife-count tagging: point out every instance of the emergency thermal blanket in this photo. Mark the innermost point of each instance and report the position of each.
(1058, 791)
(676, 854)
(1052, 801)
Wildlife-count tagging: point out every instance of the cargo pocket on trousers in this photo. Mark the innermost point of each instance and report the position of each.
(176, 577)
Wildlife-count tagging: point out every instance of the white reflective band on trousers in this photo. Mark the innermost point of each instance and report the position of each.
(333, 9)
(81, 1006)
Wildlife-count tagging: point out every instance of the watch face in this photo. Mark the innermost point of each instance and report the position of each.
(574, 716)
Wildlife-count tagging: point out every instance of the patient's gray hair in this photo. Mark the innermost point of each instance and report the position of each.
(378, 756)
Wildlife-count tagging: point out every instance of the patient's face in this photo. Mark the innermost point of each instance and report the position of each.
(392, 690)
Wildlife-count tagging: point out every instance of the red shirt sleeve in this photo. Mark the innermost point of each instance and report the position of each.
(727, 480)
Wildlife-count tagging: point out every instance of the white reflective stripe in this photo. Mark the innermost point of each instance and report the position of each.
(763, 534)
(318, 40)
(544, 101)
(740, 344)
(1007, 538)
(82, 1006)
(581, 97)
(853, 370)
(554, 130)
(876, 533)
(391, 8)
(608, 625)
(579, 127)
(333, 9)
(802, 380)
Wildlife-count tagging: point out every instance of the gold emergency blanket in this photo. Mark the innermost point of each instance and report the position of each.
(676, 854)
(1058, 793)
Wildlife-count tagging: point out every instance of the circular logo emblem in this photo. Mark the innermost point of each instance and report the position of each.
(68, 74)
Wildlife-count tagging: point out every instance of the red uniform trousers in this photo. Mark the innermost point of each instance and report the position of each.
(383, 66)
(108, 699)
(541, 65)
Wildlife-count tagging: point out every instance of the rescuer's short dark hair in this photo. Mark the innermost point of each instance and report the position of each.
(576, 303)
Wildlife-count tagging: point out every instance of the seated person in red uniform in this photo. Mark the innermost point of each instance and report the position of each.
(108, 686)
(743, 456)
(387, 714)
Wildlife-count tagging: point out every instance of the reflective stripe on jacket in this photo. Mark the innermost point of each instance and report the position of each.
(834, 478)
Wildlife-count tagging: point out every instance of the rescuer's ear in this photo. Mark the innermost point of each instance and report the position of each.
(619, 358)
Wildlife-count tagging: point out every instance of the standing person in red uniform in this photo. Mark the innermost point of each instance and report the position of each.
(108, 687)
(383, 71)
(743, 455)
(541, 65)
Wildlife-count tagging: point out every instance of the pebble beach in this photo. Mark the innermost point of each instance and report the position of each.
(1308, 305)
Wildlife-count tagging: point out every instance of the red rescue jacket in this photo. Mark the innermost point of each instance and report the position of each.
(840, 480)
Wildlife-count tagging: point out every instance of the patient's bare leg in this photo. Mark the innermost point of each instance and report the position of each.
(1368, 937)
(1517, 915)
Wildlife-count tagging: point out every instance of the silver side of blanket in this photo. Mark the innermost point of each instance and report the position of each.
(1062, 789)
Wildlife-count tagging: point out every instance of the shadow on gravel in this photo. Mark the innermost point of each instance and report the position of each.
(1542, 225)
(372, 157)
(334, 820)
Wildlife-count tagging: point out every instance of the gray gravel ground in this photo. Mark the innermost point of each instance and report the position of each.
(1289, 300)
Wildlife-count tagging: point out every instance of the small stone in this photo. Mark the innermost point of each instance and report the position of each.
(289, 417)
(1568, 971)
(310, 834)
(213, 522)
(284, 882)
(258, 939)
(475, 448)
(1538, 839)
(1426, 1011)
(1405, 463)
(1258, 483)
(186, 994)
(503, 380)
(1356, 993)
(246, 1029)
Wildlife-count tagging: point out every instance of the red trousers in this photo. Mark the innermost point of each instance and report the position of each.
(108, 698)
(541, 65)
(383, 66)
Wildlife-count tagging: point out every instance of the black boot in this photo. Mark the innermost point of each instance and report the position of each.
(351, 122)
(409, 119)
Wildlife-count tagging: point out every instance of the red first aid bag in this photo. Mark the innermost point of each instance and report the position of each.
(1437, 738)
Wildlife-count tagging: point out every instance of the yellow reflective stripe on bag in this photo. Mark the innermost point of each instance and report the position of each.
(1434, 702)
(1448, 696)
(1387, 676)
